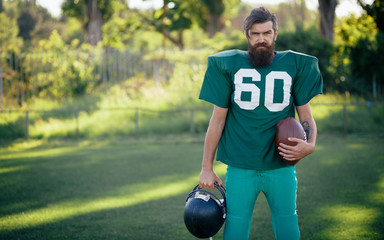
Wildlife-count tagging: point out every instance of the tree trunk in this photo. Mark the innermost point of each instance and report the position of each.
(163, 23)
(327, 10)
(214, 25)
(180, 41)
(214, 21)
(94, 34)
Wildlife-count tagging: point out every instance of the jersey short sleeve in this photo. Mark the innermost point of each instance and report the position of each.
(217, 86)
(308, 82)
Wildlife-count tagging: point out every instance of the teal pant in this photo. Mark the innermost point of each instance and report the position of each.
(279, 187)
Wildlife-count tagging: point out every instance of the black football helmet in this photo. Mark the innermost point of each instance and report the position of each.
(204, 213)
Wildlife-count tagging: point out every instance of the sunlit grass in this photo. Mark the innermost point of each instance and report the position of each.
(53, 127)
(11, 169)
(129, 195)
(56, 212)
(349, 222)
(377, 197)
(34, 154)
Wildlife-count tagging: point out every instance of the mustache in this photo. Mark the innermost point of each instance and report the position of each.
(263, 44)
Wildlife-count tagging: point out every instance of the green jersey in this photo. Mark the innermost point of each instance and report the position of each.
(257, 99)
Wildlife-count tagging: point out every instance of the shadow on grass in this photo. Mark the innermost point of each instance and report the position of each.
(128, 189)
(341, 187)
(97, 190)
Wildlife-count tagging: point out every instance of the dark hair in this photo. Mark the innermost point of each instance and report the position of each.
(259, 15)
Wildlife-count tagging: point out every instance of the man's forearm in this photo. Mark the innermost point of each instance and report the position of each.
(212, 139)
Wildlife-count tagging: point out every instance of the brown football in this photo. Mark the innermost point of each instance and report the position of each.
(285, 129)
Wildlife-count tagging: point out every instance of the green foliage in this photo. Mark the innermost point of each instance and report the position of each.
(366, 64)
(294, 15)
(362, 65)
(309, 42)
(376, 11)
(76, 9)
(33, 23)
(358, 57)
(348, 31)
(45, 25)
(176, 18)
(54, 43)
(92, 17)
(73, 31)
(72, 71)
(211, 19)
(114, 30)
(9, 39)
(12, 126)
(221, 42)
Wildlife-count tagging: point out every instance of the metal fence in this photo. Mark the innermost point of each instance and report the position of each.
(140, 116)
(61, 74)
(340, 118)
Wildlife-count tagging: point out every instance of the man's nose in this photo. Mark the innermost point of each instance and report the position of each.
(261, 38)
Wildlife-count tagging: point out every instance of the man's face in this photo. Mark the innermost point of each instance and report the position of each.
(262, 34)
(261, 44)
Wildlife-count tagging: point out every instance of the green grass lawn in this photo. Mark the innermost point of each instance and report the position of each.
(136, 189)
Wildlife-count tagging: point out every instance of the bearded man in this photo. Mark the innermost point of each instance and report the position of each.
(251, 92)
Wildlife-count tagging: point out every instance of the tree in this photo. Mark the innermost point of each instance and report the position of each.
(92, 14)
(34, 22)
(171, 20)
(176, 16)
(376, 11)
(327, 10)
(45, 25)
(27, 21)
(213, 18)
(210, 14)
(95, 23)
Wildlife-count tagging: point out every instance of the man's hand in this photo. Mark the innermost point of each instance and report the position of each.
(299, 151)
(208, 178)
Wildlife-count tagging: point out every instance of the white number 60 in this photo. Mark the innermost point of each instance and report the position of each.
(254, 102)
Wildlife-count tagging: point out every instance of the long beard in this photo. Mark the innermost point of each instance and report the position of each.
(261, 57)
